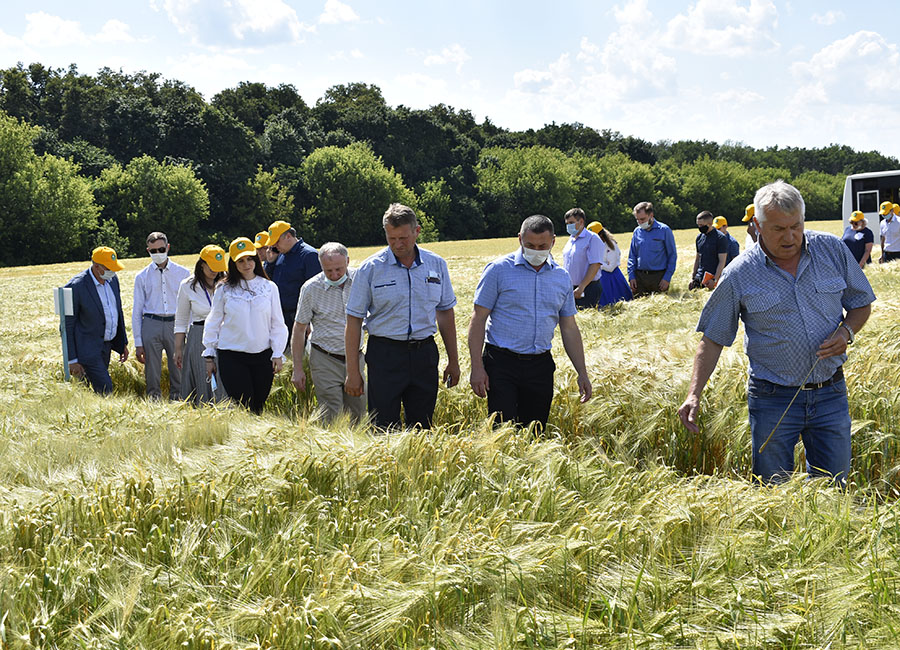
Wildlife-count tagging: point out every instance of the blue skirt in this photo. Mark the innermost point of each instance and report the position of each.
(615, 287)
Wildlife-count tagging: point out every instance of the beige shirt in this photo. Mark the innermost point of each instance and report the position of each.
(326, 308)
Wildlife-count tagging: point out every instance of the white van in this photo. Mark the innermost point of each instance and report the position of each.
(865, 192)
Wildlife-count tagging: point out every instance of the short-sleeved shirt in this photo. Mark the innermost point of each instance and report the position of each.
(786, 318)
(580, 252)
(890, 230)
(397, 302)
(734, 248)
(325, 307)
(710, 245)
(856, 241)
(653, 250)
(526, 303)
(291, 270)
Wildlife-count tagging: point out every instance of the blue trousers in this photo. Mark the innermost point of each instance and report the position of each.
(819, 417)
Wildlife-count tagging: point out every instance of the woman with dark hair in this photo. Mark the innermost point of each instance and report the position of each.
(615, 286)
(193, 304)
(246, 327)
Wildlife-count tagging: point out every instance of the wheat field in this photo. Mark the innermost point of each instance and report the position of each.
(136, 524)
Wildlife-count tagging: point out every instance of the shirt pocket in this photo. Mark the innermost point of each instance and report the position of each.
(829, 292)
(388, 294)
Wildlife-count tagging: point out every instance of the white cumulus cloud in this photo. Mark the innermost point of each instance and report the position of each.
(828, 18)
(337, 12)
(455, 54)
(115, 31)
(43, 29)
(236, 23)
(724, 28)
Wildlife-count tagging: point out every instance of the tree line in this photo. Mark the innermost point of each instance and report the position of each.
(109, 157)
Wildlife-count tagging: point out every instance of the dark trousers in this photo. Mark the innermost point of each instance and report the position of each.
(521, 385)
(647, 282)
(247, 377)
(402, 372)
(890, 256)
(591, 296)
(96, 369)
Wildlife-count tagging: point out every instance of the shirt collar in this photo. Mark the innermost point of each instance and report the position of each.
(393, 258)
(804, 250)
(94, 278)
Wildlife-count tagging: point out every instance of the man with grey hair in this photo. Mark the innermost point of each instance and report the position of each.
(802, 298)
(323, 303)
(404, 294)
(153, 315)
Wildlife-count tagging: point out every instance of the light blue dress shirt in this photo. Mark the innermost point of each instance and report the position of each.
(526, 304)
(580, 252)
(397, 302)
(110, 313)
(786, 318)
(653, 250)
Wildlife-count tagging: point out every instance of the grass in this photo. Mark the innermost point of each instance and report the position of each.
(136, 524)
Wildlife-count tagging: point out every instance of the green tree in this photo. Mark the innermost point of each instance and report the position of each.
(516, 183)
(263, 201)
(47, 211)
(348, 189)
(822, 194)
(147, 195)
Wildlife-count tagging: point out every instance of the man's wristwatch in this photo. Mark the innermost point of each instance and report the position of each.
(849, 331)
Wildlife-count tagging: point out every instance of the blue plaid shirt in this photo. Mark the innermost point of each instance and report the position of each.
(525, 304)
(786, 318)
(653, 250)
(397, 302)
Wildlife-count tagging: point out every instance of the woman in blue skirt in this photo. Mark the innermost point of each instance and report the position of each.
(615, 286)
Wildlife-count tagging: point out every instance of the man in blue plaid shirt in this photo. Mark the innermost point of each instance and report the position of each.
(802, 298)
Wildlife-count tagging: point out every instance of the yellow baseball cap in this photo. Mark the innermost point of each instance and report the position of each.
(749, 211)
(107, 257)
(856, 215)
(241, 247)
(896, 208)
(214, 256)
(595, 227)
(885, 207)
(719, 221)
(262, 239)
(276, 230)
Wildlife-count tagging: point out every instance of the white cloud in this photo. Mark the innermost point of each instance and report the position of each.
(724, 28)
(859, 68)
(455, 54)
(337, 12)
(220, 71)
(828, 18)
(342, 55)
(115, 31)
(236, 23)
(45, 30)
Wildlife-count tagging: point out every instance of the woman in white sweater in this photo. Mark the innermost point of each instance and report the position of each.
(246, 328)
(612, 280)
(193, 304)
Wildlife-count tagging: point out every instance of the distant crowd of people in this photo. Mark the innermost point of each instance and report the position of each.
(225, 327)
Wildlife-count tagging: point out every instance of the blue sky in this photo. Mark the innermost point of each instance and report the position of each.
(763, 72)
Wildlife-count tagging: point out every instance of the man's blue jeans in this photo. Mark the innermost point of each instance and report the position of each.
(820, 417)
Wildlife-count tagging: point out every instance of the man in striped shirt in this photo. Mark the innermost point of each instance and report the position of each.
(323, 303)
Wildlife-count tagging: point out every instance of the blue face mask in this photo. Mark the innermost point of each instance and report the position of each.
(336, 283)
(571, 228)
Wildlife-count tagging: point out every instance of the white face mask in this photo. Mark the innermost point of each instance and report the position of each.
(336, 283)
(533, 257)
(107, 275)
(159, 258)
(646, 225)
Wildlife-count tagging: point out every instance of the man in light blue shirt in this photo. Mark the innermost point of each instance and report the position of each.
(519, 300)
(802, 298)
(652, 254)
(404, 294)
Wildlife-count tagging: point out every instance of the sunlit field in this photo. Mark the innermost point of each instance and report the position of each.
(136, 524)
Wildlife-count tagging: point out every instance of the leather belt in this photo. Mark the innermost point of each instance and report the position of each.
(835, 378)
(518, 355)
(165, 319)
(339, 357)
(412, 344)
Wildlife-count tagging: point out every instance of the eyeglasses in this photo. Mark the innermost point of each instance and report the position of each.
(157, 250)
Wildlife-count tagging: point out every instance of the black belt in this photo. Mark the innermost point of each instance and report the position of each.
(412, 344)
(339, 357)
(199, 323)
(517, 355)
(165, 319)
(645, 272)
(835, 378)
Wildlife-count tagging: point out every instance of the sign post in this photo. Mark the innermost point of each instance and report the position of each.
(62, 305)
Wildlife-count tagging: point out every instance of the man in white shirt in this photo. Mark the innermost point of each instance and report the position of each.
(323, 303)
(153, 315)
(890, 232)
